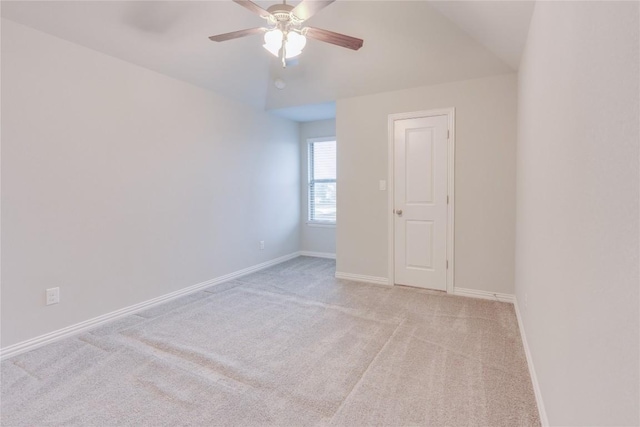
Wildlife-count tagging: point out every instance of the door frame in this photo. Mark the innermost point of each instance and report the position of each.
(451, 120)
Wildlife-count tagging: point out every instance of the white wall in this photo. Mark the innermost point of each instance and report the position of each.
(120, 184)
(577, 209)
(484, 181)
(314, 237)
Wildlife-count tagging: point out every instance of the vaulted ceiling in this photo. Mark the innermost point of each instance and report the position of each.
(407, 44)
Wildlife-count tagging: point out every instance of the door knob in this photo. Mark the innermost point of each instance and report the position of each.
(399, 212)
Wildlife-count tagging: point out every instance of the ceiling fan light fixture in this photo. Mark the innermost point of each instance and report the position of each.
(273, 41)
(285, 38)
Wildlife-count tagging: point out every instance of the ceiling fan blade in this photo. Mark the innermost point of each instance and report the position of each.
(307, 8)
(253, 8)
(236, 34)
(334, 38)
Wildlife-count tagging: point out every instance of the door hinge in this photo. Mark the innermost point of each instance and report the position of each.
(447, 199)
(447, 264)
(448, 134)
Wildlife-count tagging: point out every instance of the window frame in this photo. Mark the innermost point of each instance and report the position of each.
(310, 181)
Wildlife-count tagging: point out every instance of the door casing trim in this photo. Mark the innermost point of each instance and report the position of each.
(451, 151)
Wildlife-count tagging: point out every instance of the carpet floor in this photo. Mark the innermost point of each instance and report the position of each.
(289, 346)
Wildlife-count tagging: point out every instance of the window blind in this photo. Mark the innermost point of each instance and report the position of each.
(322, 181)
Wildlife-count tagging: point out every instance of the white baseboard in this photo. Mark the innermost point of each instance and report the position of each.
(474, 293)
(59, 334)
(532, 370)
(318, 254)
(361, 278)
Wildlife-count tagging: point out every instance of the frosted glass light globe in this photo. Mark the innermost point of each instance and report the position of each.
(295, 43)
(273, 41)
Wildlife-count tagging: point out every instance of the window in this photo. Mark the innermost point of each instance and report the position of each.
(322, 181)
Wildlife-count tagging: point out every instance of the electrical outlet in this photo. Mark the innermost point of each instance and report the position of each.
(53, 296)
(262, 245)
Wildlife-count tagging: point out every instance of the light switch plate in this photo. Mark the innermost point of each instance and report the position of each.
(383, 185)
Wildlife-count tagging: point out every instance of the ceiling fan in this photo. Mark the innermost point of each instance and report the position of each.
(285, 36)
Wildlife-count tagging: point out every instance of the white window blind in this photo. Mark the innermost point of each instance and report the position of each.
(322, 181)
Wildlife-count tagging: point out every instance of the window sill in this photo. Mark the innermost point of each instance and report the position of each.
(321, 224)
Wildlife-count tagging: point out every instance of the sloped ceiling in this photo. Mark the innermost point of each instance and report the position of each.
(500, 25)
(407, 44)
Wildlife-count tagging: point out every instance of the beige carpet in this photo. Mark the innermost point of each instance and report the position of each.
(287, 346)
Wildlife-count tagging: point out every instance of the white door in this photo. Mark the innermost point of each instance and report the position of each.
(420, 201)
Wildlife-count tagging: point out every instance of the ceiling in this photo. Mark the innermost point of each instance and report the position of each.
(407, 44)
(500, 25)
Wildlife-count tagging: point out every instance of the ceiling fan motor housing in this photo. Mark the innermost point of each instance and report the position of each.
(282, 14)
